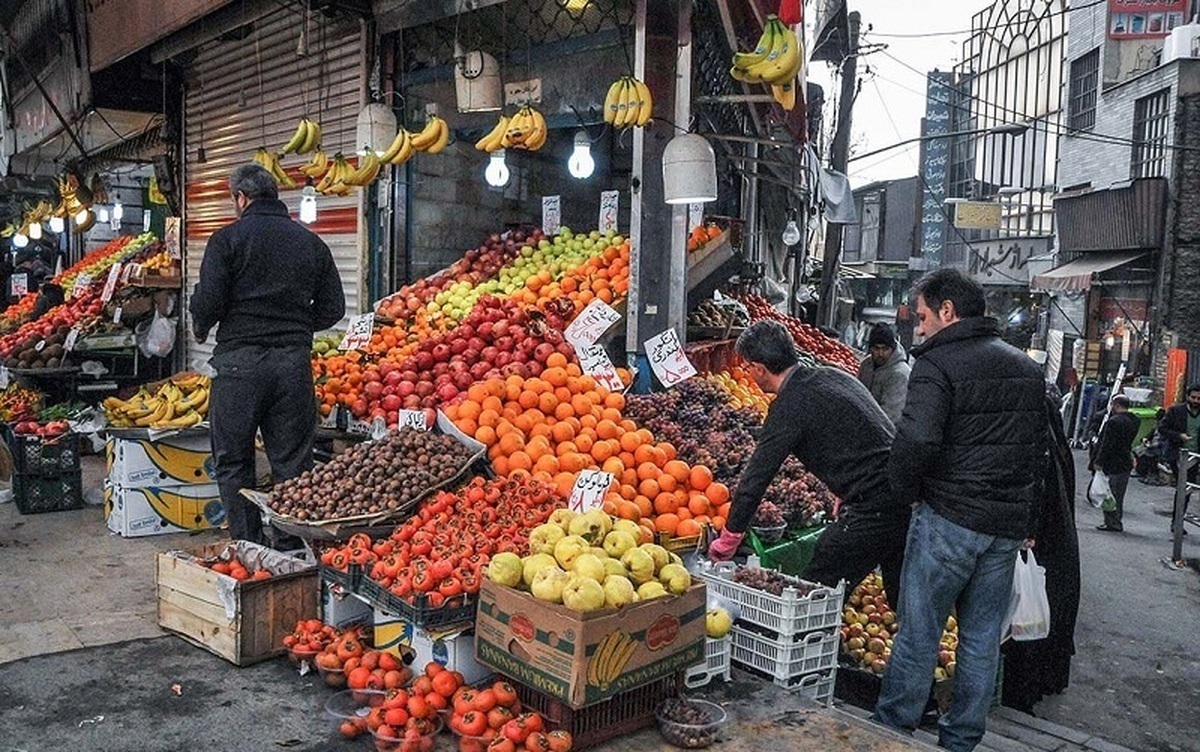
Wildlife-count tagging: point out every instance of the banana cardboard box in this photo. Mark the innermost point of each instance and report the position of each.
(175, 460)
(453, 648)
(585, 658)
(136, 512)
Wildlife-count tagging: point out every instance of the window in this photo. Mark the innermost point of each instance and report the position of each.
(1150, 121)
(1085, 79)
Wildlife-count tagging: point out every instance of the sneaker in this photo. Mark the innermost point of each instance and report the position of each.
(1110, 528)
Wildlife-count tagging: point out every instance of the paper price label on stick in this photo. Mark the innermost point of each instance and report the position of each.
(18, 284)
(359, 427)
(591, 323)
(414, 419)
(110, 284)
(4, 378)
(81, 284)
(72, 338)
(594, 361)
(589, 489)
(610, 202)
(695, 215)
(551, 214)
(667, 358)
(358, 333)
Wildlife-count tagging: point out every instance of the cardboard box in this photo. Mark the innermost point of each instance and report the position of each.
(455, 650)
(175, 460)
(585, 658)
(242, 622)
(137, 512)
(341, 609)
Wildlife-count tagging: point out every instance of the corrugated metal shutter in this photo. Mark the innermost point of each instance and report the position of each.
(227, 114)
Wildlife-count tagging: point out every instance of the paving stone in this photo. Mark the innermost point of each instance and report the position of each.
(28, 638)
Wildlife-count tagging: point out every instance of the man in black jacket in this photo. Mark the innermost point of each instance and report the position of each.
(1181, 429)
(970, 453)
(832, 424)
(269, 283)
(1113, 456)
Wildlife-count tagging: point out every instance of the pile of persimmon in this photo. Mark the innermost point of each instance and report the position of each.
(309, 637)
(235, 568)
(404, 716)
(490, 719)
(347, 661)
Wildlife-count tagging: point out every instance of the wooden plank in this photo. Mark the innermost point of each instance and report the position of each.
(209, 611)
(186, 577)
(212, 637)
(1041, 724)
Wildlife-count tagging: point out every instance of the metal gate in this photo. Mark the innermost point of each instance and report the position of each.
(249, 89)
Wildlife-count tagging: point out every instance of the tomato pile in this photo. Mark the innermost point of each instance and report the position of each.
(808, 338)
(50, 429)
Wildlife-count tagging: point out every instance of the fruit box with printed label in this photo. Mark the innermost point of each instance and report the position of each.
(172, 461)
(585, 658)
(453, 649)
(136, 512)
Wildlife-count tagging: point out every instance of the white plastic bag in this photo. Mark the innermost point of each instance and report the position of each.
(1099, 494)
(156, 339)
(1029, 608)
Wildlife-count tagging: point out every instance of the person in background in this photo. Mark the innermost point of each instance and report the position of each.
(828, 421)
(970, 454)
(1113, 456)
(1181, 429)
(33, 266)
(270, 284)
(1146, 458)
(885, 371)
(49, 296)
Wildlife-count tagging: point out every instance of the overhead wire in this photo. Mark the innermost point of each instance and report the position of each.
(984, 29)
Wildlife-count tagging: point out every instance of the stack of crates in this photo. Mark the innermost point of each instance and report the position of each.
(790, 639)
(46, 475)
(716, 665)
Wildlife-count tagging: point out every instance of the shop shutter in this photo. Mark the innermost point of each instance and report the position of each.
(227, 115)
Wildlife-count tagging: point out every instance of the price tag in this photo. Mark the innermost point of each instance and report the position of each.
(117, 315)
(609, 204)
(72, 336)
(18, 284)
(145, 220)
(589, 489)
(667, 359)
(594, 361)
(378, 429)
(551, 214)
(414, 419)
(4, 377)
(591, 322)
(110, 284)
(81, 285)
(695, 215)
(171, 235)
(131, 270)
(41, 345)
(359, 427)
(358, 334)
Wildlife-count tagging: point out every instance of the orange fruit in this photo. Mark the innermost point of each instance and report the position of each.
(687, 527)
(717, 493)
(700, 478)
(678, 470)
(647, 471)
(648, 487)
(666, 523)
(666, 503)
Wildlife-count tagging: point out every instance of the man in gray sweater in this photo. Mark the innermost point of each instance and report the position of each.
(885, 372)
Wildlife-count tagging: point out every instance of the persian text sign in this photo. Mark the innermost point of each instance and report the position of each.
(667, 358)
(591, 323)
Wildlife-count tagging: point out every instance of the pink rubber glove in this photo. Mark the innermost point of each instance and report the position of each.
(725, 546)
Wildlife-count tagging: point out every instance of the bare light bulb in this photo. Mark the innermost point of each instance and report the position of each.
(308, 205)
(57, 224)
(20, 240)
(581, 165)
(118, 211)
(496, 173)
(791, 233)
(82, 216)
(35, 231)
(102, 215)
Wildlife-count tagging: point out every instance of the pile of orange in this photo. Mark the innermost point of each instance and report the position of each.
(604, 276)
(555, 425)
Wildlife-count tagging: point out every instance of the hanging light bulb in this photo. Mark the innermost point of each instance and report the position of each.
(83, 215)
(20, 240)
(35, 231)
(496, 173)
(581, 163)
(791, 233)
(118, 211)
(102, 214)
(56, 224)
(308, 204)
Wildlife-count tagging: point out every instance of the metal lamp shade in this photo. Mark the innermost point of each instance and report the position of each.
(375, 128)
(689, 170)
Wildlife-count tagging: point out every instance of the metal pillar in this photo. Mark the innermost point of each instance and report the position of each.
(677, 293)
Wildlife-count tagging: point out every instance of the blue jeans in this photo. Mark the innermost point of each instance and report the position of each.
(947, 565)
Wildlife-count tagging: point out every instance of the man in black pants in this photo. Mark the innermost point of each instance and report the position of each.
(1113, 456)
(832, 424)
(269, 283)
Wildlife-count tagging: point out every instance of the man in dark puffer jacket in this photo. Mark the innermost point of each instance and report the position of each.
(969, 454)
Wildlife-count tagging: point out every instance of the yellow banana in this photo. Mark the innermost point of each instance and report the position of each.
(621, 115)
(299, 138)
(314, 138)
(645, 103)
(783, 63)
(743, 60)
(183, 421)
(785, 95)
(442, 140)
(428, 135)
(632, 104)
(317, 165)
(394, 148)
(406, 150)
(611, 99)
(368, 170)
(538, 132)
(491, 142)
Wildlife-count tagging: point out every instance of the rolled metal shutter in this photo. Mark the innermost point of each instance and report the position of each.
(242, 94)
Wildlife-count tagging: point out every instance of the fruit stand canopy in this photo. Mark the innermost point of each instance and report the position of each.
(1077, 273)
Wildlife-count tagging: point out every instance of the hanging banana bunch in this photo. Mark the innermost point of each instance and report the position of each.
(368, 170)
(526, 130)
(317, 165)
(270, 162)
(334, 181)
(400, 150)
(306, 138)
(628, 103)
(494, 140)
(433, 138)
(775, 61)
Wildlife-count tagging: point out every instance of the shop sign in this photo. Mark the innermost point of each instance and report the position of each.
(18, 285)
(935, 162)
(1004, 262)
(72, 338)
(589, 489)
(358, 333)
(592, 322)
(4, 377)
(594, 361)
(1144, 19)
(171, 236)
(695, 215)
(551, 214)
(668, 360)
(610, 202)
(977, 215)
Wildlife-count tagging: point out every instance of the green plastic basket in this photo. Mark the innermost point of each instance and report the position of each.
(790, 555)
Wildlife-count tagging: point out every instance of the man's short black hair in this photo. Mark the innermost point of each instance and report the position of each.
(1122, 401)
(951, 284)
(1193, 388)
(768, 342)
(254, 182)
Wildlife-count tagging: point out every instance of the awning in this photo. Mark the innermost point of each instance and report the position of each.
(1077, 274)
(849, 272)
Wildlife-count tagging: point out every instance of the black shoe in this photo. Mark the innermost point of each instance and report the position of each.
(1185, 532)
(1110, 528)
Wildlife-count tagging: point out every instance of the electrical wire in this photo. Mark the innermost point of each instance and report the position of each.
(982, 30)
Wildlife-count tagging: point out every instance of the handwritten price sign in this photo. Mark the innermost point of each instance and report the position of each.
(589, 489)
(609, 203)
(81, 285)
(18, 285)
(110, 284)
(667, 359)
(594, 361)
(414, 419)
(358, 334)
(591, 322)
(551, 214)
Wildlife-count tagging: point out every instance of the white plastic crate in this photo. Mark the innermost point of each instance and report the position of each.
(786, 615)
(785, 659)
(817, 687)
(717, 655)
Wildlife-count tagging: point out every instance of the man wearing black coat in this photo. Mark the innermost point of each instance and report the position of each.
(1181, 429)
(1113, 456)
(970, 453)
(269, 283)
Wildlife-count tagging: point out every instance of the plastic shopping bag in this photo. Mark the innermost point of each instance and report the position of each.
(1029, 608)
(1099, 495)
(156, 338)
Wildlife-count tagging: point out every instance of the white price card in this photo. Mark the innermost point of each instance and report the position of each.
(378, 429)
(72, 337)
(81, 284)
(110, 284)
(594, 361)
(131, 270)
(18, 284)
(414, 419)
(610, 202)
(171, 236)
(667, 358)
(358, 333)
(359, 427)
(592, 321)
(4, 377)
(551, 214)
(695, 216)
(589, 489)
(117, 315)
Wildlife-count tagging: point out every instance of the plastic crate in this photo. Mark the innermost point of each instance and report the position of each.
(717, 655)
(347, 580)
(786, 615)
(417, 614)
(618, 716)
(817, 687)
(785, 659)
(45, 456)
(35, 494)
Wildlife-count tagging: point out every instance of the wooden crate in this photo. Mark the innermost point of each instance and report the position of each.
(265, 610)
